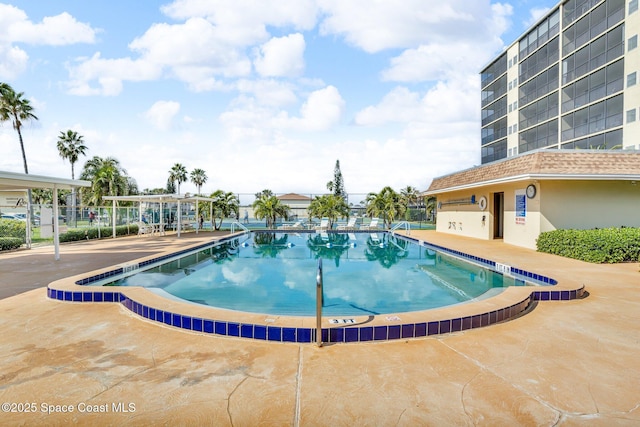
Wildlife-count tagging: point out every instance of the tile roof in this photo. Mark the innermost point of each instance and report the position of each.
(293, 196)
(574, 163)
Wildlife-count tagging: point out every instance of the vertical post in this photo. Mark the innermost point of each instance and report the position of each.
(56, 223)
(319, 293)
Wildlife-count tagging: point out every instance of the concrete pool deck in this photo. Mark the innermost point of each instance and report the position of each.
(563, 363)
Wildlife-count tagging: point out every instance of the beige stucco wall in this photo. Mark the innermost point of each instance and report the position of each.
(464, 219)
(589, 204)
(523, 232)
(557, 204)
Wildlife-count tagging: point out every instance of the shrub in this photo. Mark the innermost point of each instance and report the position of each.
(13, 228)
(75, 235)
(606, 245)
(8, 243)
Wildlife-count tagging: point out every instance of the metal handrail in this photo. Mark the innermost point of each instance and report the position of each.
(319, 298)
(404, 224)
(235, 224)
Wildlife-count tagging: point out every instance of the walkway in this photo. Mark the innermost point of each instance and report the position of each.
(563, 363)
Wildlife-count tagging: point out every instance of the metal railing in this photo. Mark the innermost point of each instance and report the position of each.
(319, 302)
(401, 224)
(237, 224)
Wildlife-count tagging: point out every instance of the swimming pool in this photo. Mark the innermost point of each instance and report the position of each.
(163, 309)
(363, 274)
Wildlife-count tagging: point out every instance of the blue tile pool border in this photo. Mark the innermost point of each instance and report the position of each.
(346, 334)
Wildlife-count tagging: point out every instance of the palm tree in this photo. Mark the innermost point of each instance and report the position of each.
(107, 178)
(330, 206)
(224, 204)
(70, 147)
(14, 107)
(178, 173)
(387, 205)
(270, 208)
(198, 177)
(410, 196)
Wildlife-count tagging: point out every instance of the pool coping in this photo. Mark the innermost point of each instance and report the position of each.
(509, 304)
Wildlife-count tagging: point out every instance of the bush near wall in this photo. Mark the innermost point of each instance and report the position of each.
(605, 245)
(92, 233)
(9, 243)
(13, 228)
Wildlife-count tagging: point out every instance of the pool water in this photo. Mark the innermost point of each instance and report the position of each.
(363, 273)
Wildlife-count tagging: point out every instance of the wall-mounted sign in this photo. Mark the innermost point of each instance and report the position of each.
(521, 207)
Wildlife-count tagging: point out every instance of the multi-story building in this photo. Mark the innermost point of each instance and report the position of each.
(569, 82)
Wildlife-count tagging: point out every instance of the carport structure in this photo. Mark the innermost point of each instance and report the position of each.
(12, 181)
(161, 199)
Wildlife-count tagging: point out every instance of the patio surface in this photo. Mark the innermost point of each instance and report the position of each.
(563, 363)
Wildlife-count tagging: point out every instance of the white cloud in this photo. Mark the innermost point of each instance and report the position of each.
(244, 21)
(446, 102)
(275, 93)
(281, 56)
(376, 26)
(15, 27)
(13, 61)
(110, 73)
(59, 30)
(322, 110)
(162, 113)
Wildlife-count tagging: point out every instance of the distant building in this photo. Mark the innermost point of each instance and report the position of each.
(298, 204)
(569, 82)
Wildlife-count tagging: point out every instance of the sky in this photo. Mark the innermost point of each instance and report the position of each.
(260, 94)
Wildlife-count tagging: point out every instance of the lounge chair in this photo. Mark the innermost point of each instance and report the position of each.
(295, 225)
(372, 225)
(324, 224)
(350, 225)
(144, 228)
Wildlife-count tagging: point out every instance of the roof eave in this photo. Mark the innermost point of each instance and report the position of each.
(537, 176)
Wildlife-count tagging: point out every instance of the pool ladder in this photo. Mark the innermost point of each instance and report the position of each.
(401, 224)
(319, 301)
(237, 224)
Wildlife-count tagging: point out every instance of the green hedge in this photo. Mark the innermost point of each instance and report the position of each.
(13, 228)
(8, 243)
(75, 235)
(606, 245)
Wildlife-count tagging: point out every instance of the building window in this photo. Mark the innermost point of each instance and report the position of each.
(633, 43)
(633, 6)
(631, 79)
(631, 116)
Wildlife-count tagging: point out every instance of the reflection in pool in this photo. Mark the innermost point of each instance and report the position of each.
(364, 273)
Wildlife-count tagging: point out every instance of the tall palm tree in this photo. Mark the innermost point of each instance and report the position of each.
(270, 208)
(330, 206)
(71, 146)
(198, 177)
(17, 109)
(14, 107)
(178, 173)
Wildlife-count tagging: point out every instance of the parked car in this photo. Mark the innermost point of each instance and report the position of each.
(9, 216)
(23, 217)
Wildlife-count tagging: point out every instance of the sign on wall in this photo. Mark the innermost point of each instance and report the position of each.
(521, 207)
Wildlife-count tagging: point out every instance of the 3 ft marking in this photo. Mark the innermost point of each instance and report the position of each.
(503, 268)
